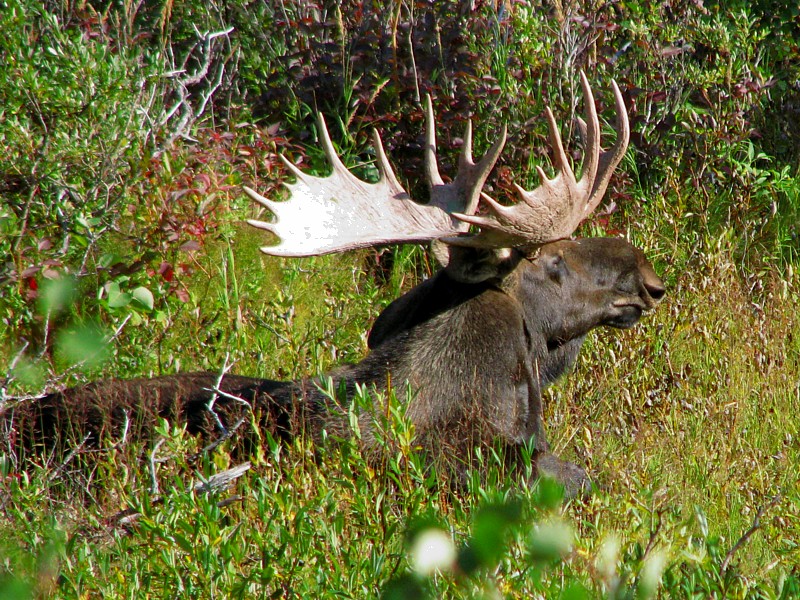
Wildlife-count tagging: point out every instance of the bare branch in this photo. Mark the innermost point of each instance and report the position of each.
(216, 483)
(183, 106)
(210, 406)
(228, 434)
(153, 475)
(221, 481)
(748, 534)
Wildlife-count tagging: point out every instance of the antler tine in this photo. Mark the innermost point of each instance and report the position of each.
(327, 146)
(609, 160)
(560, 160)
(385, 169)
(476, 174)
(431, 164)
(462, 194)
(554, 209)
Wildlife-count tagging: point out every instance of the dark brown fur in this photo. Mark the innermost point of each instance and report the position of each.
(112, 409)
(477, 356)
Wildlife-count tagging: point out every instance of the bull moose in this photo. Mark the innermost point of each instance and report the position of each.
(477, 343)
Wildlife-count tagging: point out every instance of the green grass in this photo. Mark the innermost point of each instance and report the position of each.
(124, 243)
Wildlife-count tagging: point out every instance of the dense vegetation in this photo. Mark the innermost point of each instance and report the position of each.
(128, 129)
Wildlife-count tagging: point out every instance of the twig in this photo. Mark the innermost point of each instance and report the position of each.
(221, 481)
(216, 483)
(747, 534)
(68, 459)
(211, 90)
(124, 437)
(229, 501)
(227, 433)
(125, 430)
(417, 95)
(183, 80)
(225, 436)
(654, 534)
(215, 396)
(233, 397)
(153, 476)
(45, 336)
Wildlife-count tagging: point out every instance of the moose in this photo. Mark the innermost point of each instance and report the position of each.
(477, 343)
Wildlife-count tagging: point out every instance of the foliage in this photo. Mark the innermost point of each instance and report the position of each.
(128, 129)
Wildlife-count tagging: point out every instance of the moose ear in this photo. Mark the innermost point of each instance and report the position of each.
(475, 265)
(555, 266)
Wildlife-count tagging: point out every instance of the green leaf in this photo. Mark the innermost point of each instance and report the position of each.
(16, 589)
(30, 372)
(116, 297)
(550, 541)
(143, 298)
(404, 587)
(575, 591)
(549, 493)
(700, 519)
(184, 544)
(488, 541)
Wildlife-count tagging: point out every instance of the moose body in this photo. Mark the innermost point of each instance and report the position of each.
(478, 355)
(475, 355)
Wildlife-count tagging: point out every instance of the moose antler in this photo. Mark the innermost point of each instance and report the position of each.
(341, 212)
(554, 210)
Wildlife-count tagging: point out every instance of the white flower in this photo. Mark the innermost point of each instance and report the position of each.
(650, 575)
(432, 551)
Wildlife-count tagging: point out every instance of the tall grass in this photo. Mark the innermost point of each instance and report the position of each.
(687, 423)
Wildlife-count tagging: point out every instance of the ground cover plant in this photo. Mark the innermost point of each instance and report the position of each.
(128, 131)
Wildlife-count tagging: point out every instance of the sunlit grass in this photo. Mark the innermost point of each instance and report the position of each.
(687, 423)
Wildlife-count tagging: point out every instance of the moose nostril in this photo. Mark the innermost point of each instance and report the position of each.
(656, 292)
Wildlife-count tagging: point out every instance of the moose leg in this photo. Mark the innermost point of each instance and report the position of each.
(535, 417)
(574, 478)
(116, 409)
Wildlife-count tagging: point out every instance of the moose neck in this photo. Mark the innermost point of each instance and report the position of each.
(549, 303)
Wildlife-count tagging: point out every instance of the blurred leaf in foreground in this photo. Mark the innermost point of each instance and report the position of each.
(56, 295)
(85, 344)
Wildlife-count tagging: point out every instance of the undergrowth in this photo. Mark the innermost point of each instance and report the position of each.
(128, 130)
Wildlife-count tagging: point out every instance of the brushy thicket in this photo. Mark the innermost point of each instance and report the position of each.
(128, 129)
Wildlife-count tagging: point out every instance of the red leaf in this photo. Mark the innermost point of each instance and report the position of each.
(166, 271)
